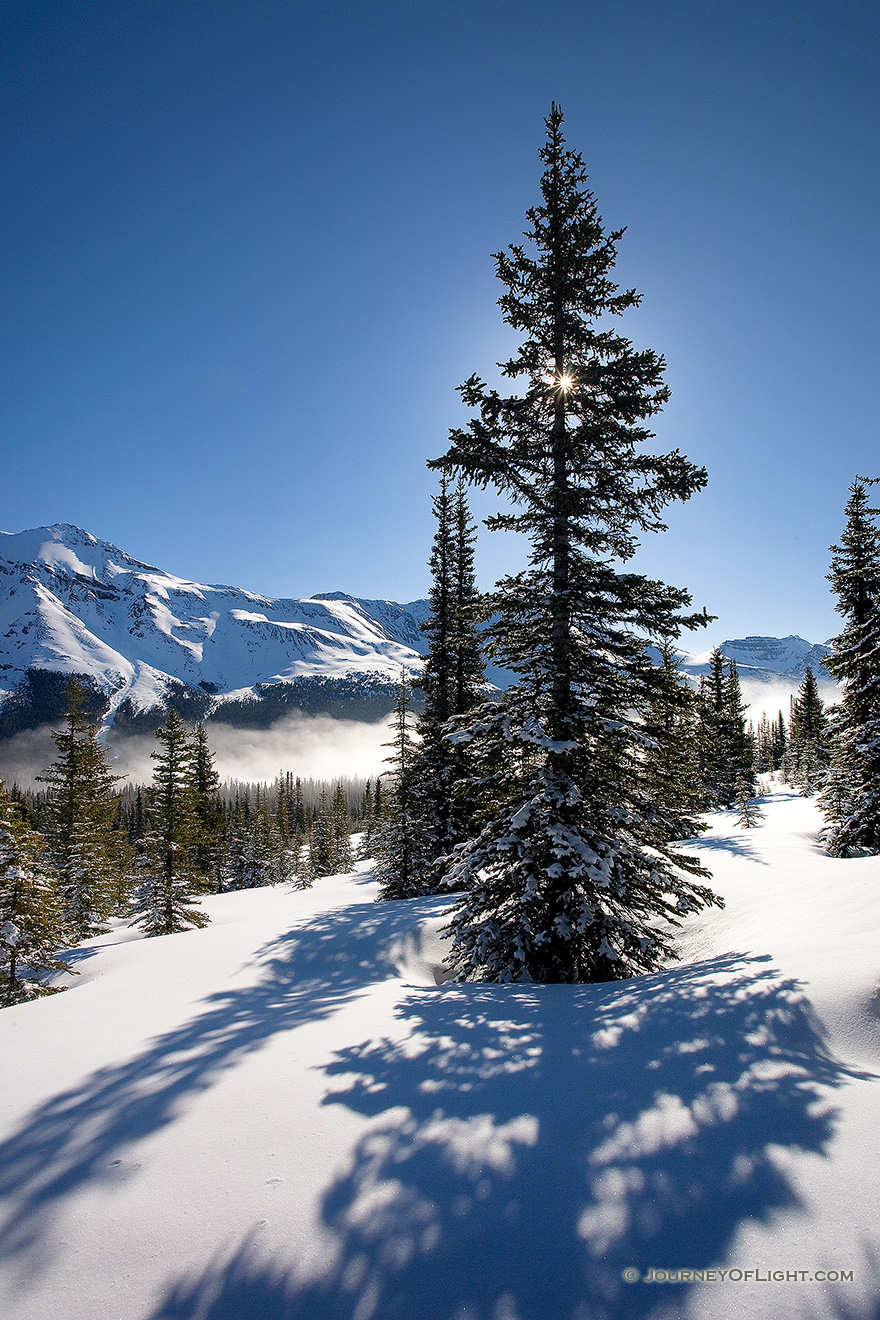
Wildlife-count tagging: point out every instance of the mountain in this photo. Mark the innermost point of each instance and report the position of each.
(142, 638)
(766, 659)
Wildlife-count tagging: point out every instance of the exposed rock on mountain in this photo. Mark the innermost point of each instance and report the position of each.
(142, 638)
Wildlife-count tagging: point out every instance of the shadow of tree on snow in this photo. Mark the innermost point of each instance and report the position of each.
(528, 1144)
(75, 1138)
(738, 846)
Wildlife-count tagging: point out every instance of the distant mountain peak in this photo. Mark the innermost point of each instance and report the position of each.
(72, 603)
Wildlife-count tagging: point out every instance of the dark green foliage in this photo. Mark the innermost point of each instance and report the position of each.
(779, 735)
(322, 843)
(851, 799)
(371, 813)
(740, 742)
(343, 853)
(726, 747)
(165, 902)
(808, 752)
(189, 703)
(670, 766)
(31, 921)
(571, 876)
(453, 683)
(402, 844)
(209, 841)
(90, 857)
(368, 699)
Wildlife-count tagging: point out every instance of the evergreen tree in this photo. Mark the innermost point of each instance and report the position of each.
(740, 744)
(210, 823)
(717, 784)
(402, 846)
(763, 738)
(261, 846)
(569, 878)
(299, 824)
(343, 853)
(31, 921)
(373, 810)
(852, 806)
(727, 748)
(164, 903)
(671, 767)
(322, 844)
(808, 755)
(779, 734)
(749, 814)
(453, 683)
(89, 855)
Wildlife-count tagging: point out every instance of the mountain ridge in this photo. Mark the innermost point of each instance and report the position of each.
(142, 638)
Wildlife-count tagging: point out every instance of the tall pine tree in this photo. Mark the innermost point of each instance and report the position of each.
(31, 921)
(808, 754)
(569, 878)
(165, 902)
(452, 682)
(402, 844)
(671, 764)
(87, 852)
(208, 847)
(851, 800)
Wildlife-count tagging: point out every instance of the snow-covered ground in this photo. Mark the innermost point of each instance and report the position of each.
(287, 1114)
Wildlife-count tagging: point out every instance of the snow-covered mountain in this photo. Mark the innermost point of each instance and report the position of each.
(70, 603)
(73, 604)
(766, 659)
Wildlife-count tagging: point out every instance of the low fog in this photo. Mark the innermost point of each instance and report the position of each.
(762, 698)
(311, 746)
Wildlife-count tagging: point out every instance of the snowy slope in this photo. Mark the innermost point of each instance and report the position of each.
(74, 604)
(286, 1115)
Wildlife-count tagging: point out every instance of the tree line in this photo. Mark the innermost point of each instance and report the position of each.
(85, 849)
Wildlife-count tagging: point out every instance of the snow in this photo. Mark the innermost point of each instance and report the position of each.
(289, 1114)
(72, 603)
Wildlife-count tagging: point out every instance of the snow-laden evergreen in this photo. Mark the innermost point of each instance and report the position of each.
(851, 799)
(90, 858)
(402, 841)
(452, 682)
(572, 875)
(808, 751)
(165, 902)
(32, 925)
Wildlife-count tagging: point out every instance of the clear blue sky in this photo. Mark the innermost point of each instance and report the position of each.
(246, 262)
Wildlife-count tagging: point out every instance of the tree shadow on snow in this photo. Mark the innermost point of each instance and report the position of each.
(529, 1144)
(78, 1136)
(735, 845)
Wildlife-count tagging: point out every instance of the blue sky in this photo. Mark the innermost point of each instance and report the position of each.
(246, 262)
